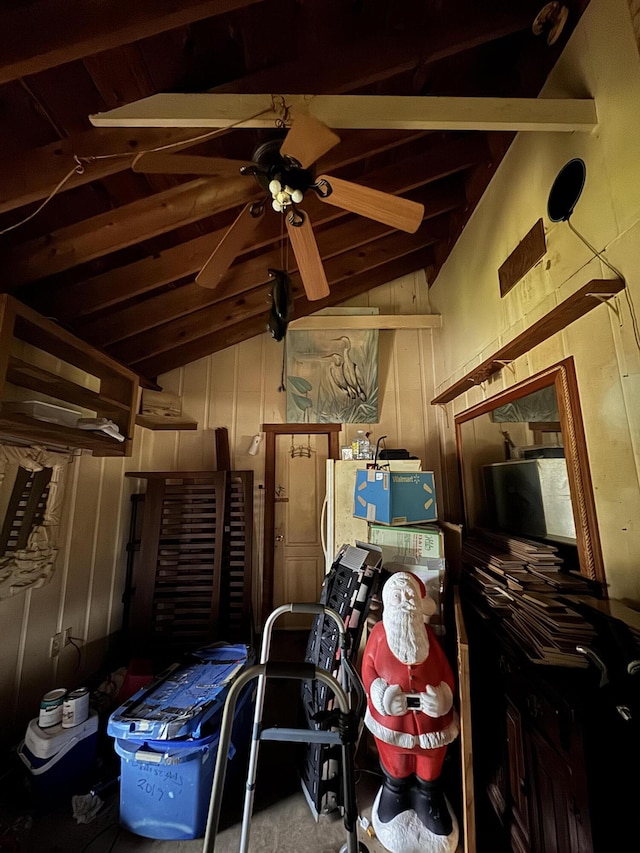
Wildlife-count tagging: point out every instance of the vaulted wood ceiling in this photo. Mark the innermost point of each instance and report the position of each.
(113, 255)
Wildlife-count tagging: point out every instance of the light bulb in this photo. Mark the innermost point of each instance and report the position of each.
(275, 204)
(275, 187)
(296, 196)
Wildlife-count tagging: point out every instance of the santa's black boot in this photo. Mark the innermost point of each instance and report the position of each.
(431, 807)
(395, 797)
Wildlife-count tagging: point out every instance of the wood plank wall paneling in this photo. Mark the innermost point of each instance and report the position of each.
(604, 346)
(85, 592)
(236, 388)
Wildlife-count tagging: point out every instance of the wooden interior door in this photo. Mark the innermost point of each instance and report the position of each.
(298, 555)
(272, 431)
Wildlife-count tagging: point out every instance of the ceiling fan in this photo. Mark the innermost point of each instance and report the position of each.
(284, 170)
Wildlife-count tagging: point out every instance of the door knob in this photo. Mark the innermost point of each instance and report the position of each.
(279, 538)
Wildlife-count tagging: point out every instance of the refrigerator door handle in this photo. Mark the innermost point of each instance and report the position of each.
(323, 529)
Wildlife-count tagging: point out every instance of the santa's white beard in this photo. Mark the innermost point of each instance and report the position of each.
(406, 635)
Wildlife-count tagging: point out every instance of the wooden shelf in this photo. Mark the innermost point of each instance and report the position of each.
(116, 398)
(22, 426)
(577, 305)
(151, 422)
(36, 379)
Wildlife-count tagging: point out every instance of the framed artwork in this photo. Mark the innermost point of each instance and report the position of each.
(332, 376)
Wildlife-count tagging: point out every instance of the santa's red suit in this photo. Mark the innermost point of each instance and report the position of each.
(410, 742)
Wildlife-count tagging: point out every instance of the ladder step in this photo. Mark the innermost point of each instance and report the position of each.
(300, 735)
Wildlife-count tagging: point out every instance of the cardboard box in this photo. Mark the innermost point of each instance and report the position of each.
(407, 545)
(395, 497)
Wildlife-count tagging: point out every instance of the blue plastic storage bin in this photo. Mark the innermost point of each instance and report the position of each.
(167, 738)
(165, 785)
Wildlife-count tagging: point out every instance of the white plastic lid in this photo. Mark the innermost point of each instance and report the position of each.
(44, 743)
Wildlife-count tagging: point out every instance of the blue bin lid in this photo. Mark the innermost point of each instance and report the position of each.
(182, 698)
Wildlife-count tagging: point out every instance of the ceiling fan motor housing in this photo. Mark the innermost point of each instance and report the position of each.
(269, 165)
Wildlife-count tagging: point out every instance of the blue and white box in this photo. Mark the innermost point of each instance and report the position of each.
(395, 497)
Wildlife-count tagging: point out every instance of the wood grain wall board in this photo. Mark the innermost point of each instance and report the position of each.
(577, 305)
(526, 255)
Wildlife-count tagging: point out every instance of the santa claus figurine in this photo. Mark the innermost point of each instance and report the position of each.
(410, 713)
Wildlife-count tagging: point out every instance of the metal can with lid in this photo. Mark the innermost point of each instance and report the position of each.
(75, 709)
(51, 707)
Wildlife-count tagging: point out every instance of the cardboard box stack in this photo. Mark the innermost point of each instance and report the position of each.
(399, 506)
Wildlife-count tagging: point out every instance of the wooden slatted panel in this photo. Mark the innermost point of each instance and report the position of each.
(235, 587)
(186, 599)
(25, 509)
(176, 578)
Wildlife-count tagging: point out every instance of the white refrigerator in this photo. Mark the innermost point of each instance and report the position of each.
(338, 524)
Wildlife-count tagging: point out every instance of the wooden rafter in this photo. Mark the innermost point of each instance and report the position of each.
(195, 200)
(242, 277)
(51, 32)
(225, 335)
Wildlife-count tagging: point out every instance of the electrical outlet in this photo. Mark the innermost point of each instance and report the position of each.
(55, 646)
(68, 634)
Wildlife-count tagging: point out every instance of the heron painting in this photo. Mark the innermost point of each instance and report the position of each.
(332, 376)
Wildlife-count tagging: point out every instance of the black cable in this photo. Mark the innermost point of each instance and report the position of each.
(78, 650)
(600, 255)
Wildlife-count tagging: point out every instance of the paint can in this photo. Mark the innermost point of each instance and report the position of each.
(75, 709)
(51, 708)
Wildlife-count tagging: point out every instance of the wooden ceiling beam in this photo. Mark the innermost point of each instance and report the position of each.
(47, 33)
(188, 202)
(107, 289)
(374, 59)
(241, 278)
(356, 111)
(35, 174)
(124, 226)
(438, 199)
(234, 309)
(73, 302)
(215, 340)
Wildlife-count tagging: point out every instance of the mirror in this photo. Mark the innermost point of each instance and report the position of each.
(524, 467)
(31, 484)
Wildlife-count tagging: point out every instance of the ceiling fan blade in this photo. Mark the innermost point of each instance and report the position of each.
(305, 248)
(230, 246)
(307, 140)
(160, 162)
(383, 207)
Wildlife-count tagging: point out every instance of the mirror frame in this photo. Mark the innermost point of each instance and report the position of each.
(563, 376)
